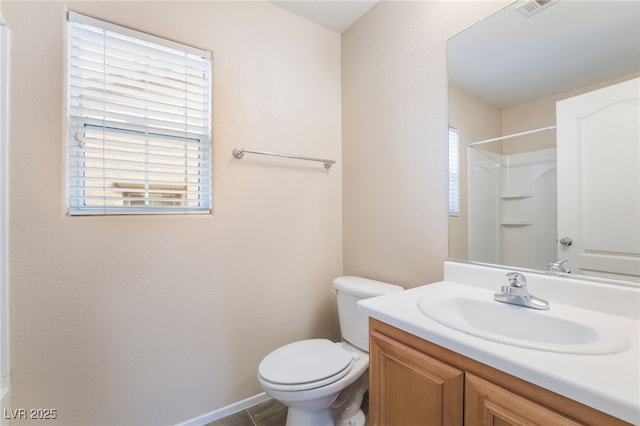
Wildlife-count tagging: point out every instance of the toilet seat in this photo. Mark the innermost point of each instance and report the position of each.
(306, 364)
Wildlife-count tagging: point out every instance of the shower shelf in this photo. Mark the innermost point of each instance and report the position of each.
(515, 196)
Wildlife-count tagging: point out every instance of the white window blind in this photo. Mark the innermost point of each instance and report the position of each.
(454, 173)
(139, 122)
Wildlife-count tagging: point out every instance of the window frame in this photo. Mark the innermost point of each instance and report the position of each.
(135, 124)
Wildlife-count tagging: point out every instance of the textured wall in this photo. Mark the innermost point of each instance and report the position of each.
(394, 147)
(156, 320)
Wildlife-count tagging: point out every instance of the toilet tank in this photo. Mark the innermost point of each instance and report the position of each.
(354, 326)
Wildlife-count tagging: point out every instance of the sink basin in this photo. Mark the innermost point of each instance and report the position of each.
(560, 329)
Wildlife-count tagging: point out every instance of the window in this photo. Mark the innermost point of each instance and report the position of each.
(454, 173)
(139, 122)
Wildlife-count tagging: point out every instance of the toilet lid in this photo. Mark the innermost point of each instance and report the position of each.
(306, 362)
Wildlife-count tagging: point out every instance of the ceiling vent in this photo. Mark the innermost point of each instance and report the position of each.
(531, 7)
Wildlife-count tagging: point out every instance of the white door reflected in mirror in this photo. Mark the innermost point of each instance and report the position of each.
(598, 151)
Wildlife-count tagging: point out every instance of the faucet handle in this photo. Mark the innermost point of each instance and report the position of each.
(516, 279)
(558, 266)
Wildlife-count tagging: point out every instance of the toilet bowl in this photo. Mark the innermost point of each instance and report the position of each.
(323, 382)
(310, 395)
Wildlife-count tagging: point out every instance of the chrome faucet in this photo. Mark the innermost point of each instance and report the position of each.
(516, 293)
(558, 266)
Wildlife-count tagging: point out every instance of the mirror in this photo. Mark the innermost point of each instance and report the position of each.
(506, 74)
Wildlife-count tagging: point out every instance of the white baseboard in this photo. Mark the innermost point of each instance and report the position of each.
(226, 411)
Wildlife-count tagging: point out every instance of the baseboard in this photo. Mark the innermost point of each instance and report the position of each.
(226, 411)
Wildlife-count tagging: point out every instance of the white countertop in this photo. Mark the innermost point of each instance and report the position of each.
(609, 383)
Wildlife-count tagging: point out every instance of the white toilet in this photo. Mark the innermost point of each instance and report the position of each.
(323, 382)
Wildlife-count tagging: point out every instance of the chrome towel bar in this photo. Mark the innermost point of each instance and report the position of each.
(239, 153)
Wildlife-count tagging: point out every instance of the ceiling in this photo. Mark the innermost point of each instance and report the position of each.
(331, 14)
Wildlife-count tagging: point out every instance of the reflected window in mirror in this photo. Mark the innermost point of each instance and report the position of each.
(454, 173)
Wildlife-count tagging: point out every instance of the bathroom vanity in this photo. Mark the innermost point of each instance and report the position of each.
(576, 363)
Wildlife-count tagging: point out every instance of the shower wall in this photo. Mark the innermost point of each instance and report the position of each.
(528, 209)
(484, 205)
(512, 207)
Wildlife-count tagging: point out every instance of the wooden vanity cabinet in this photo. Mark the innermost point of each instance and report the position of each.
(489, 404)
(409, 386)
(414, 382)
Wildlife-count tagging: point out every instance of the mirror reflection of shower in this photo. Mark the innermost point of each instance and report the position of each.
(512, 200)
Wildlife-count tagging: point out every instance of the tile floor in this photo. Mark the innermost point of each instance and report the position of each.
(268, 413)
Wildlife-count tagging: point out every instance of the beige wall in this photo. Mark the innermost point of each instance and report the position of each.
(156, 320)
(395, 150)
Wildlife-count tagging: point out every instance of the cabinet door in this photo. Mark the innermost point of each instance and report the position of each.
(409, 388)
(487, 404)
